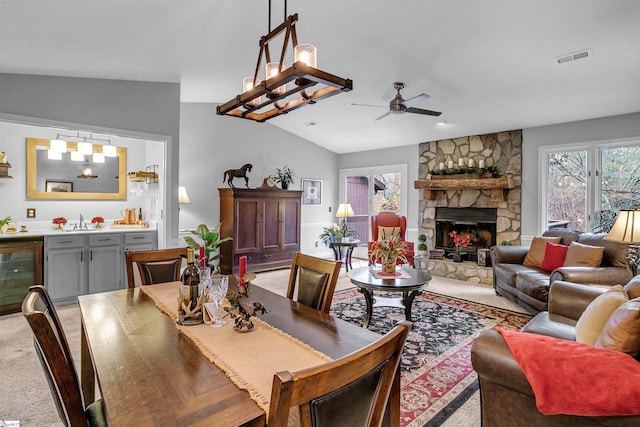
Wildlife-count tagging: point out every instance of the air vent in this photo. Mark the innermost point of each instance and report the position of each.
(573, 56)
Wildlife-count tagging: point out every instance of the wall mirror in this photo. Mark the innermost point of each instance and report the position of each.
(71, 179)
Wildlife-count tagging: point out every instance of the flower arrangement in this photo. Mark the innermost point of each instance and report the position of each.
(97, 220)
(211, 241)
(59, 221)
(460, 241)
(383, 251)
(333, 233)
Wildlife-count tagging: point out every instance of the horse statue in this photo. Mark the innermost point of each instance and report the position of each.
(237, 173)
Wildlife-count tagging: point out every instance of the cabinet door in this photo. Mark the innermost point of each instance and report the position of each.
(105, 269)
(290, 224)
(65, 273)
(247, 230)
(271, 224)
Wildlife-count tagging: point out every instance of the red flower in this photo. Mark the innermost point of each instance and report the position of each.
(460, 241)
(60, 220)
(97, 220)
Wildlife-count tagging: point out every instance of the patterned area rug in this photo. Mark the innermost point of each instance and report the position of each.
(437, 376)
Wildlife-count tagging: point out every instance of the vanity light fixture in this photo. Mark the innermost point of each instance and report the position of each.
(97, 157)
(275, 86)
(54, 154)
(109, 150)
(77, 156)
(85, 148)
(58, 145)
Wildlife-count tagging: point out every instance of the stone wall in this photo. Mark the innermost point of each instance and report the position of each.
(503, 150)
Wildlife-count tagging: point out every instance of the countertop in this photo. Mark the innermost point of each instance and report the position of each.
(48, 232)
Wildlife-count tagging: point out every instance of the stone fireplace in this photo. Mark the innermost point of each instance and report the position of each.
(493, 219)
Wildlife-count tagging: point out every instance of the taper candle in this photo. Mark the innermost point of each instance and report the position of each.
(243, 269)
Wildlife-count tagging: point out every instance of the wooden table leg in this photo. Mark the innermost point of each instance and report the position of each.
(408, 302)
(87, 372)
(369, 300)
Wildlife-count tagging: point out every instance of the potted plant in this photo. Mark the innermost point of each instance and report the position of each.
(283, 176)
(4, 223)
(459, 242)
(333, 233)
(210, 240)
(422, 245)
(387, 252)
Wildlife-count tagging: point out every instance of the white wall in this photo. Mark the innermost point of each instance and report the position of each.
(137, 108)
(211, 144)
(624, 126)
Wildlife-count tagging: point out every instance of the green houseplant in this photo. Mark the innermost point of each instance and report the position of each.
(210, 240)
(422, 244)
(283, 176)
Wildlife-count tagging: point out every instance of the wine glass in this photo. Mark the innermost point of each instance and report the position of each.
(218, 287)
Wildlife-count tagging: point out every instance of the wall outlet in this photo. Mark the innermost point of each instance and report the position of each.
(31, 212)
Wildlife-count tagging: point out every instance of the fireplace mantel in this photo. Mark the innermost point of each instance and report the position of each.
(497, 186)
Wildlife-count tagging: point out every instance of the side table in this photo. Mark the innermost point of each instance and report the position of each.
(346, 249)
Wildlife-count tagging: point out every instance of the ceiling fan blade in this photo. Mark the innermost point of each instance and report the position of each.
(415, 100)
(383, 116)
(370, 105)
(421, 111)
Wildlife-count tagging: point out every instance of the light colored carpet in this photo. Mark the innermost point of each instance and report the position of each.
(25, 395)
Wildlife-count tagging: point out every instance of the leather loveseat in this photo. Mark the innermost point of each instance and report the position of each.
(529, 286)
(506, 396)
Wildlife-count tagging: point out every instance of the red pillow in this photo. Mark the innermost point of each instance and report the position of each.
(554, 256)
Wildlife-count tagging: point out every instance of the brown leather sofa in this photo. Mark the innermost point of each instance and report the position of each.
(529, 286)
(506, 397)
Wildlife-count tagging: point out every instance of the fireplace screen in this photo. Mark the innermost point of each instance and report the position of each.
(479, 223)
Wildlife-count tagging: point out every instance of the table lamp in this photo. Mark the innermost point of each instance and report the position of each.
(183, 197)
(344, 211)
(626, 229)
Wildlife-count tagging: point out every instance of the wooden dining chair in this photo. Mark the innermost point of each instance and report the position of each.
(315, 280)
(350, 391)
(155, 266)
(55, 357)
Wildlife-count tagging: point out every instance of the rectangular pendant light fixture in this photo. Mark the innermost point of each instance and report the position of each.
(263, 100)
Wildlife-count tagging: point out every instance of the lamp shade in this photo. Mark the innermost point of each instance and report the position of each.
(58, 145)
(109, 150)
(183, 197)
(344, 211)
(626, 228)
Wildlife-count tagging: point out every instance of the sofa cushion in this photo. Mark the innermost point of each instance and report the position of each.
(565, 234)
(536, 251)
(535, 283)
(615, 253)
(633, 287)
(597, 313)
(554, 256)
(622, 330)
(581, 255)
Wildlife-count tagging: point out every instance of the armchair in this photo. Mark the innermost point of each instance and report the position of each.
(385, 222)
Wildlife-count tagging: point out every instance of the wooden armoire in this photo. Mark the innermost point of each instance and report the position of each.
(264, 225)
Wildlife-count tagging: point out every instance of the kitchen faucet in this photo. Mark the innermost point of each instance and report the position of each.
(81, 220)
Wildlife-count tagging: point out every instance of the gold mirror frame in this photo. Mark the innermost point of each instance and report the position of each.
(33, 193)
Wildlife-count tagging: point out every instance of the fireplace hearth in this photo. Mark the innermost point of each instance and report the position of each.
(479, 223)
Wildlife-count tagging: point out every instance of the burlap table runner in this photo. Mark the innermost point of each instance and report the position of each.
(249, 359)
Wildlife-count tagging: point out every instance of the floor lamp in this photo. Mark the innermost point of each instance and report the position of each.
(626, 229)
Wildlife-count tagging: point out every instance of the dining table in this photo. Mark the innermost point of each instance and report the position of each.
(150, 374)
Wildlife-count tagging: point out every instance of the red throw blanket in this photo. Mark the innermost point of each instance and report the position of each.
(572, 378)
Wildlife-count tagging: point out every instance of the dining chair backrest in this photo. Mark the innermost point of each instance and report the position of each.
(350, 391)
(314, 280)
(155, 266)
(52, 349)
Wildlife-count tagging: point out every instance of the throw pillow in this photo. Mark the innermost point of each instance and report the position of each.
(388, 233)
(536, 251)
(554, 256)
(597, 313)
(579, 255)
(622, 330)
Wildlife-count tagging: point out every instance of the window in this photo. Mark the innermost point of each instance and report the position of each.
(586, 185)
(371, 191)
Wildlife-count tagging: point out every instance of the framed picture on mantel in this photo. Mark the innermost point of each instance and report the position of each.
(311, 192)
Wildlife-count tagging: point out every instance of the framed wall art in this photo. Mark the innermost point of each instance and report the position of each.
(311, 192)
(59, 187)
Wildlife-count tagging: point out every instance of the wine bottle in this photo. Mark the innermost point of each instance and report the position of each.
(189, 313)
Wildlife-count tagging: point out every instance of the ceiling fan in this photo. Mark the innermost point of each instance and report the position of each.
(399, 105)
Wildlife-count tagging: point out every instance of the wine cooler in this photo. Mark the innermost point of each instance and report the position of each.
(20, 267)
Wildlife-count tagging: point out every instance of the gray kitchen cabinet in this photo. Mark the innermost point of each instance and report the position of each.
(105, 263)
(65, 268)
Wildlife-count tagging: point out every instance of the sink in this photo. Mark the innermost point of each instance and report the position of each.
(79, 230)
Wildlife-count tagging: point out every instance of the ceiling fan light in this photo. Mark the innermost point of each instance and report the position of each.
(306, 53)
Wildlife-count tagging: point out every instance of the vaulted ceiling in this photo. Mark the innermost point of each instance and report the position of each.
(488, 65)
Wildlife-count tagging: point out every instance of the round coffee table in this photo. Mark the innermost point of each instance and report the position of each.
(410, 287)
